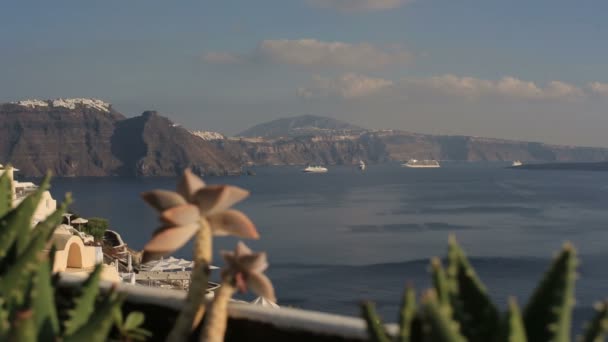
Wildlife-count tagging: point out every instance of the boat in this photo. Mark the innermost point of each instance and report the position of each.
(361, 165)
(315, 169)
(414, 163)
(517, 163)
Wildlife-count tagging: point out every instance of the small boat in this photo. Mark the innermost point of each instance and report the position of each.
(362, 165)
(315, 169)
(517, 163)
(414, 163)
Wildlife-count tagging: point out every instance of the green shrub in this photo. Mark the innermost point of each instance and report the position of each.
(96, 227)
(458, 307)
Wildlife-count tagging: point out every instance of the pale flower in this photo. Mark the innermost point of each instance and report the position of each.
(181, 214)
(245, 268)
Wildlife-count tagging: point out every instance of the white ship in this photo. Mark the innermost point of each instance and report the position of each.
(315, 169)
(362, 165)
(421, 163)
(517, 163)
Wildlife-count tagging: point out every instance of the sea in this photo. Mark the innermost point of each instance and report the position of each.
(338, 238)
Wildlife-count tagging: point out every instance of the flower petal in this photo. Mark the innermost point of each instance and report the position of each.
(254, 262)
(189, 184)
(217, 198)
(261, 285)
(241, 249)
(180, 216)
(163, 199)
(166, 240)
(233, 222)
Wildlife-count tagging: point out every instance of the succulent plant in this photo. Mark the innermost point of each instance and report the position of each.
(29, 309)
(201, 210)
(459, 308)
(243, 270)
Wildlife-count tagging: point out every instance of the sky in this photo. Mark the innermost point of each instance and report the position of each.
(527, 70)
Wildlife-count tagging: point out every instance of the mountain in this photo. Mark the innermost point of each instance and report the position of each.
(86, 137)
(298, 126)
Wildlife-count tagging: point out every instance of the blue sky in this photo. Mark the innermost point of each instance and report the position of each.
(533, 70)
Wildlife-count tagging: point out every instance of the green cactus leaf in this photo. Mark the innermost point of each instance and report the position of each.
(84, 305)
(597, 329)
(406, 314)
(23, 328)
(472, 307)
(6, 197)
(548, 314)
(375, 328)
(134, 320)
(440, 281)
(98, 325)
(19, 273)
(4, 320)
(513, 325)
(43, 304)
(438, 325)
(15, 225)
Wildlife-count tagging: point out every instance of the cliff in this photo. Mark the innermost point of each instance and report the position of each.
(86, 137)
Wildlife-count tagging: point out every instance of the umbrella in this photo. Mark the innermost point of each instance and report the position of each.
(80, 221)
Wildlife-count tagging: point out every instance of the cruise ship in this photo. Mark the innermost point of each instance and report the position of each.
(421, 163)
(315, 169)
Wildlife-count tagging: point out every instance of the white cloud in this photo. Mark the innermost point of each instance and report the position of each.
(221, 58)
(598, 88)
(507, 86)
(316, 53)
(358, 5)
(349, 85)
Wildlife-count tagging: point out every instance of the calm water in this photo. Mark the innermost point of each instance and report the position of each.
(336, 238)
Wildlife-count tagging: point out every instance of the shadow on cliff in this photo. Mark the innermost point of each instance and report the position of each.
(128, 145)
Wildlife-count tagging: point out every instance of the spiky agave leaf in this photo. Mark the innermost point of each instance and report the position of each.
(513, 325)
(440, 281)
(23, 328)
(406, 314)
(43, 303)
(4, 322)
(84, 305)
(25, 212)
(6, 197)
(98, 326)
(548, 314)
(438, 324)
(472, 307)
(19, 272)
(375, 328)
(15, 226)
(597, 329)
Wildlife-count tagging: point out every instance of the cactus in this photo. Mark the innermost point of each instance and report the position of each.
(470, 315)
(513, 325)
(471, 305)
(597, 329)
(28, 306)
(547, 317)
(375, 328)
(438, 324)
(407, 314)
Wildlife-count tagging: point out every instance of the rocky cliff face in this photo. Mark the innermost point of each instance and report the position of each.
(66, 141)
(84, 137)
(152, 145)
